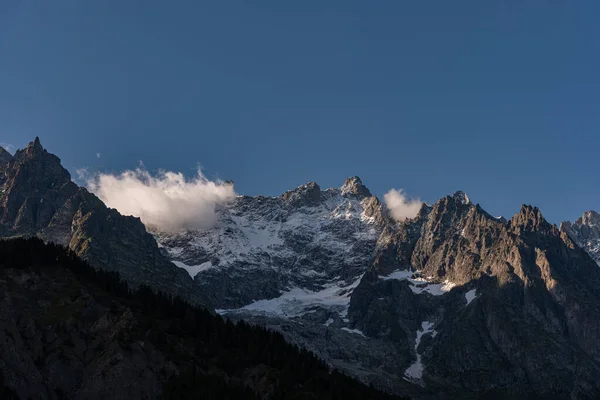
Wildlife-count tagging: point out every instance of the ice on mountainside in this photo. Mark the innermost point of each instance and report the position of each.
(415, 371)
(419, 285)
(298, 301)
(354, 331)
(470, 295)
(194, 270)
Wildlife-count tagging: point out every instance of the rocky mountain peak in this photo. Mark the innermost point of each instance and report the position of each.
(589, 218)
(308, 194)
(353, 186)
(36, 165)
(38, 198)
(530, 219)
(585, 231)
(461, 197)
(34, 148)
(5, 157)
(532, 227)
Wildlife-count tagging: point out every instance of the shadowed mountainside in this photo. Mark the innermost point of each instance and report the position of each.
(70, 331)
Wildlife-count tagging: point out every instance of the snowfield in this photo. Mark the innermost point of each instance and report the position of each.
(415, 371)
(420, 285)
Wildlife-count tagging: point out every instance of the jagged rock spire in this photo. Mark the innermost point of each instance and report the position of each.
(354, 186)
(590, 218)
(5, 156)
(35, 147)
(461, 197)
(308, 194)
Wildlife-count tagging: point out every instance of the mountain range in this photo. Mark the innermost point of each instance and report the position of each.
(451, 303)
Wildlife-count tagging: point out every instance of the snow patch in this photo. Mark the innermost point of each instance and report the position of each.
(297, 301)
(173, 251)
(419, 285)
(354, 331)
(194, 270)
(415, 371)
(435, 289)
(400, 275)
(470, 295)
(328, 322)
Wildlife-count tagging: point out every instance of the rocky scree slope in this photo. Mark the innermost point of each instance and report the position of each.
(38, 198)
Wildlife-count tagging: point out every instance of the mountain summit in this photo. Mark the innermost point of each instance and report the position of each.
(354, 186)
(38, 198)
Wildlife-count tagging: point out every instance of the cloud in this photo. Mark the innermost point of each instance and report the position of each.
(167, 202)
(82, 174)
(98, 155)
(401, 206)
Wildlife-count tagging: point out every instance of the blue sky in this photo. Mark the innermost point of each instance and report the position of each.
(499, 99)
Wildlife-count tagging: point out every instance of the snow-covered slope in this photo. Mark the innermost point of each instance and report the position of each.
(284, 255)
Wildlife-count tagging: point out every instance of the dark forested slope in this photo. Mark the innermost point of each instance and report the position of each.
(70, 331)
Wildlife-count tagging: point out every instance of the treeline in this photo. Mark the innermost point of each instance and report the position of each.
(219, 359)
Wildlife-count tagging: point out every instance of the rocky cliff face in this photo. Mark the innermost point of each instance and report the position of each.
(5, 158)
(586, 233)
(485, 304)
(38, 198)
(453, 302)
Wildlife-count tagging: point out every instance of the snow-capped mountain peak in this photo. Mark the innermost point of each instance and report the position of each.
(353, 186)
(585, 231)
(306, 239)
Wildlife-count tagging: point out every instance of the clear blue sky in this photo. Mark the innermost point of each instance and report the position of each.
(497, 98)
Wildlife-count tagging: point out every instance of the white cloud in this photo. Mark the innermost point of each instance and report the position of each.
(167, 202)
(98, 155)
(82, 174)
(401, 206)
